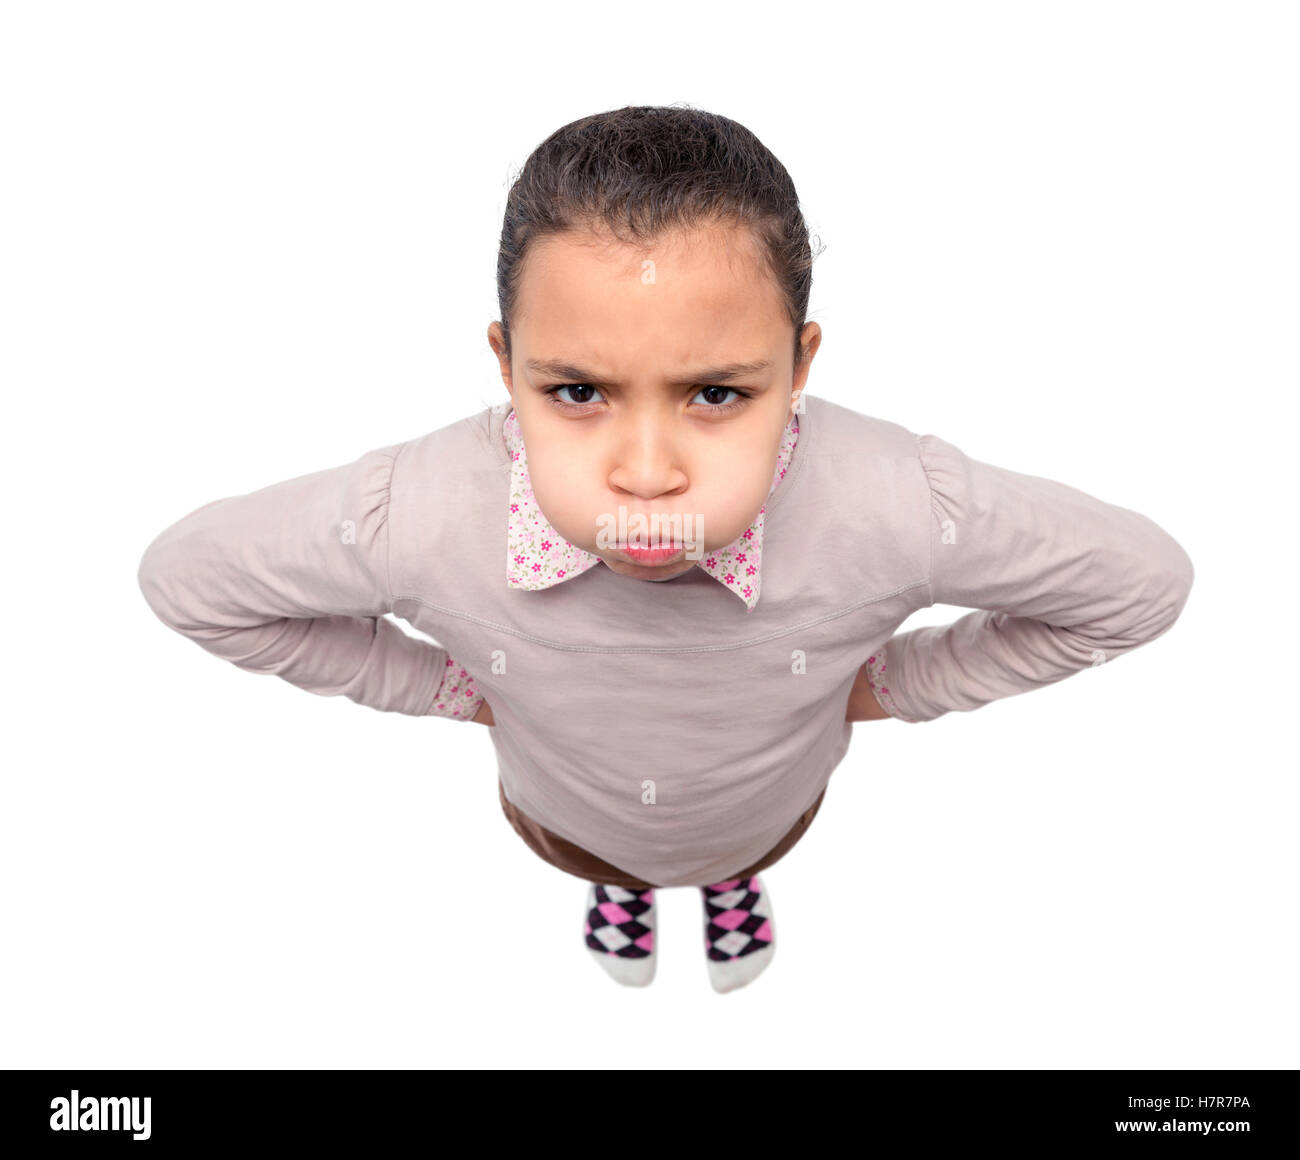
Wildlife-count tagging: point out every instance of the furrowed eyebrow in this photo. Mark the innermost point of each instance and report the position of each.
(712, 375)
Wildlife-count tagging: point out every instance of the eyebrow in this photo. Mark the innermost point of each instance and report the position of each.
(719, 374)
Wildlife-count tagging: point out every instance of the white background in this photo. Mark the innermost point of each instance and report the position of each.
(241, 242)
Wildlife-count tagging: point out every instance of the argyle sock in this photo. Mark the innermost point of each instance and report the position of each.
(738, 935)
(620, 932)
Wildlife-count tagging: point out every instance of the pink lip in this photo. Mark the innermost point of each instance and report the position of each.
(652, 555)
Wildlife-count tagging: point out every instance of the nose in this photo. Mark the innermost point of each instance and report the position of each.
(647, 459)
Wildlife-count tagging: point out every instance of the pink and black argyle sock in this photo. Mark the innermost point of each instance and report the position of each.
(738, 934)
(620, 932)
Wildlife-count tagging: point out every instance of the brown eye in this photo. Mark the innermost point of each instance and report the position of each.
(583, 389)
(716, 404)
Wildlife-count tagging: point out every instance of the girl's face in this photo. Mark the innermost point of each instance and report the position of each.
(656, 381)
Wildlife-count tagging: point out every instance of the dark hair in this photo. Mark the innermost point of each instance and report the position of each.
(642, 170)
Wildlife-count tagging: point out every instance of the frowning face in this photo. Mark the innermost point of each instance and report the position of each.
(652, 387)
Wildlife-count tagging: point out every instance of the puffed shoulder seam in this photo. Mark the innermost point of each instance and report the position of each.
(392, 457)
(934, 515)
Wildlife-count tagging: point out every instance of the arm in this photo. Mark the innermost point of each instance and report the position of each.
(863, 705)
(292, 580)
(1063, 581)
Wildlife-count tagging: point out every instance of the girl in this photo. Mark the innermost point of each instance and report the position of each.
(666, 579)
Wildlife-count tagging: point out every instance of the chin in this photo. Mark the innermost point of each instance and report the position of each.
(643, 572)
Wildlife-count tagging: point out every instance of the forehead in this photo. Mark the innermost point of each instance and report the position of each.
(685, 290)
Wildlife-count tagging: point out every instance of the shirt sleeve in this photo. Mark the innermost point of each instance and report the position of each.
(293, 580)
(1062, 581)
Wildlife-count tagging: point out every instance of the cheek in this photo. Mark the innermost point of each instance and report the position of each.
(727, 495)
(568, 500)
(733, 505)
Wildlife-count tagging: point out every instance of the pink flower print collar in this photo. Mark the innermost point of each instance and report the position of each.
(537, 556)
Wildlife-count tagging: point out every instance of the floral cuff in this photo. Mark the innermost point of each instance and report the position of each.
(458, 695)
(879, 689)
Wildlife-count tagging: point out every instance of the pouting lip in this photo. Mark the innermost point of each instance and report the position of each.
(652, 557)
(650, 547)
(668, 552)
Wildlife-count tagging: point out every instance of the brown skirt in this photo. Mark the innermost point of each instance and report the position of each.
(572, 859)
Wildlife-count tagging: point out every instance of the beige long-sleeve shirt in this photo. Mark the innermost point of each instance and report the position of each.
(668, 728)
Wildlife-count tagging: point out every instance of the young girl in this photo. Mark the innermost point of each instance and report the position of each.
(666, 579)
